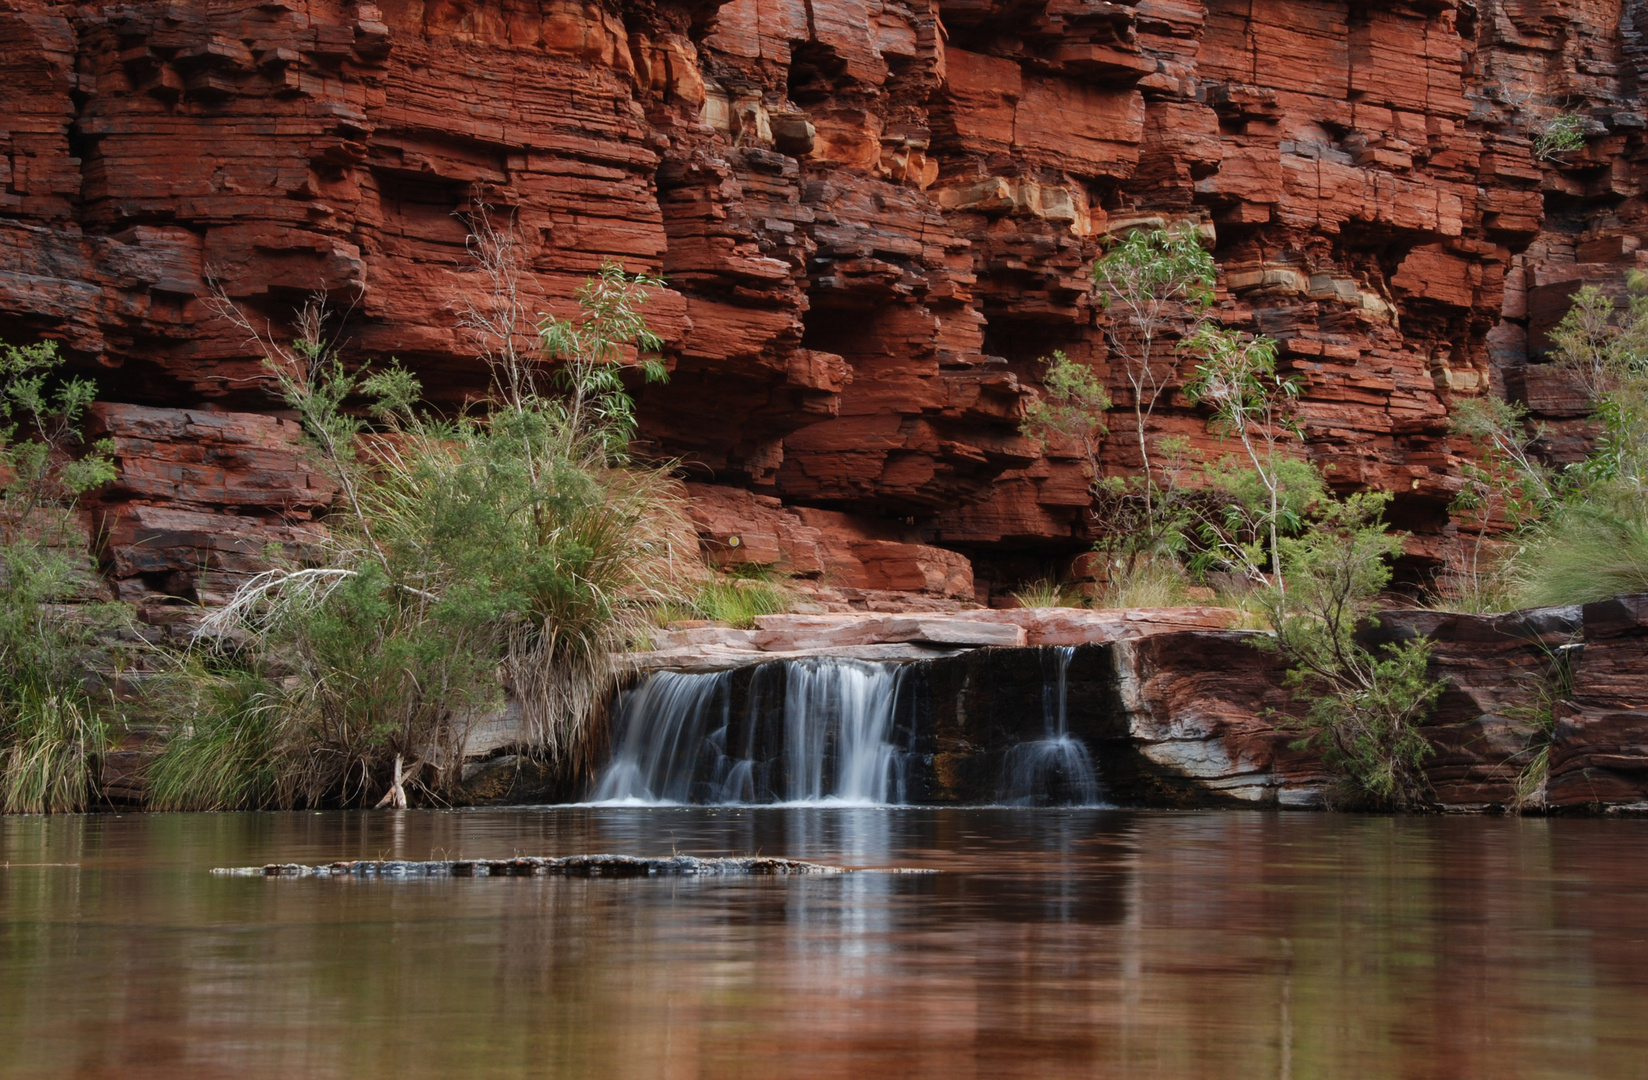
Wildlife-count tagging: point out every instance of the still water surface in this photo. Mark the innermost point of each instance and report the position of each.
(1052, 943)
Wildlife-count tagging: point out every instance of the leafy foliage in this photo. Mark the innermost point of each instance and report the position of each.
(1233, 530)
(1070, 409)
(1582, 534)
(1562, 134)
(1604, 346)
(1221, 515)
(1154, 284)
(515, 551)
(1506, 486)
(1363, 707)
(40, 417)
(595, 349)
(1251, 402)
(50, 726)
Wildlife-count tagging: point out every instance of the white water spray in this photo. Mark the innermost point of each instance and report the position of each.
(836, 743)
(1055, 769)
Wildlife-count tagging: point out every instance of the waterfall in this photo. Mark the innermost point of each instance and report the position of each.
(838, 725)
(677, 738)
(1056, 769)
(663, 732)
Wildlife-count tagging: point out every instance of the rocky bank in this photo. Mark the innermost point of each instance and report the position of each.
(1177, 708)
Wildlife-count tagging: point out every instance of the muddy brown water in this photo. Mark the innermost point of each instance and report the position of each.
(1052, 943)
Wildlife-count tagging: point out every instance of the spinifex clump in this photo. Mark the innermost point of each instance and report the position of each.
(508, 552)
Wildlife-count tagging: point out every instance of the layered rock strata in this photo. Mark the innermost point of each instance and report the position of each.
(874, 217)
(1542, 710)
(911, 636)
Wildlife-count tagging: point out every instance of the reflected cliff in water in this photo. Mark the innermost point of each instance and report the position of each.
(1052, 943)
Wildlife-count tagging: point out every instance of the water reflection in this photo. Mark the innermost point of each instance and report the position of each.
(1054, 943)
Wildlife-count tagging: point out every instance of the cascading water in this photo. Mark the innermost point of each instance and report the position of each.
(1055, 770)
(660, 761)
(678, 739)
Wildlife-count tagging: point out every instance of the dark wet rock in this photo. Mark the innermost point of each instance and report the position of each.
(536, 866)
(513, 778)
(1196, 725)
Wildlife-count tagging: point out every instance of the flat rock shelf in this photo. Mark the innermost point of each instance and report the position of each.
(538, 866)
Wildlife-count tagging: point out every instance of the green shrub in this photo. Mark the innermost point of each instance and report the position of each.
(512, 551)
(1154, 284)
(1362, 707)
(1252, 403)
(51, 726)
(1585, 536)
(1070, 409)
(1562, 134)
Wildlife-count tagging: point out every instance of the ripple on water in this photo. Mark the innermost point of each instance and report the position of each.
(1055, 942)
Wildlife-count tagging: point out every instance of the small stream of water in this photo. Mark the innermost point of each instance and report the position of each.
(823, 730)
(677, 738)
(1055, 770)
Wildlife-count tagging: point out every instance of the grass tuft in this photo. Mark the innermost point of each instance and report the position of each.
(1047, 592)
(1151, 584)
(53, 738)
(735, 599)
(228, 755)
(1585, 554)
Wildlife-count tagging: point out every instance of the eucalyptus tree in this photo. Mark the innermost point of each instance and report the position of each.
(1157, 286)
(1252, 402)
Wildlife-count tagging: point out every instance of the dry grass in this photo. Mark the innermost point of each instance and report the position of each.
(1046, 593)
(1150, 584)
(53, 738)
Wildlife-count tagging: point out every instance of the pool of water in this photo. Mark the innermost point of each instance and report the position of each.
(1051, 943)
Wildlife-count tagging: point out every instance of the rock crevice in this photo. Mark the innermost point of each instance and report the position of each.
(873, 216)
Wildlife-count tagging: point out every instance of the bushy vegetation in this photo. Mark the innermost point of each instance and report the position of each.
(1157, 287)
(1363, 706)
(1576, 534)
(513, 550)
(1559, 136)
(1259, 515)
(1317, 563)
(51, 725)
(1267, 490)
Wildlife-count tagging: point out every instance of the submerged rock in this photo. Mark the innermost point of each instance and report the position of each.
(539, 866)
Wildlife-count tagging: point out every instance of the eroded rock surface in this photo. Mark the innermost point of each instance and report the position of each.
(1202, 710)
(873, 217)
(911, 636)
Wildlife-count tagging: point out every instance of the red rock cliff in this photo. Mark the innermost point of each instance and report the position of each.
(874, 215)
